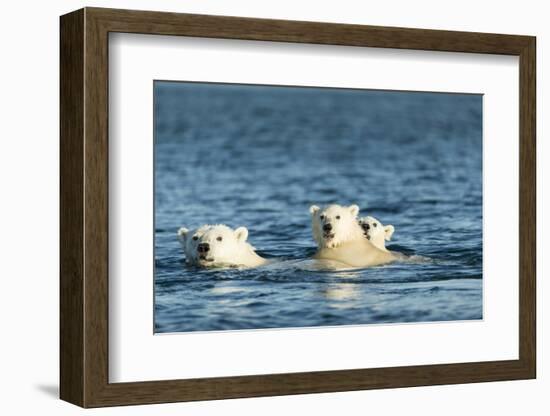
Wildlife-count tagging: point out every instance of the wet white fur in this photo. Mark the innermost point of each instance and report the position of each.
(232, 251)
(345, 229)
(378, 233)
(348, 245)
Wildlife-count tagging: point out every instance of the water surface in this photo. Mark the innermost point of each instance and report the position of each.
(259, 156)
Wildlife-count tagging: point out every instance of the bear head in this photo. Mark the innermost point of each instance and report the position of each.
(335, 224)
(376, 232)
(214, 245)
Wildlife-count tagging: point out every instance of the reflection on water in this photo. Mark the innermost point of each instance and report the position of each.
(260, 156)
(341, 292)
(225, 290)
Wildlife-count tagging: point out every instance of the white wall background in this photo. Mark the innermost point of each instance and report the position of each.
(29, 210)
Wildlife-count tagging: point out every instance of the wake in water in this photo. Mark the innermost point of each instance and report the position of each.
(321, 265)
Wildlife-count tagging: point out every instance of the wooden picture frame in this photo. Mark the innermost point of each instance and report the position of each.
(84, 207)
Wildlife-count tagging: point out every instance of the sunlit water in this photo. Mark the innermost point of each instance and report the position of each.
(260, 156)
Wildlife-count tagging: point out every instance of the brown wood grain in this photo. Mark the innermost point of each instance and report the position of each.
(527, 207)
(71, 100)
(84, 207)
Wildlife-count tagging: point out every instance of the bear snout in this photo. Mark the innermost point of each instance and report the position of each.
(327, 227)
(203, 248)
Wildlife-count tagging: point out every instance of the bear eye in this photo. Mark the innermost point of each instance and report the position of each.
(219, 239)
(195, 237)
(338, 217)
(375, 224)
(322, 217)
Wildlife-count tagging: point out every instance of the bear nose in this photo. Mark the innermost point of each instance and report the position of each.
(327, 227)
(203, 247)
(366, 226)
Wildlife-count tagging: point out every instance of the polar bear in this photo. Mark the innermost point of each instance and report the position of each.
(376, 232)
(218, 246)
(340, 238)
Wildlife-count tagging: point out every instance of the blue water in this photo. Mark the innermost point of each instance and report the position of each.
(259, 156)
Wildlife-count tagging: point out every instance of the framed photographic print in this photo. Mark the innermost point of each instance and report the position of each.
(255, 207)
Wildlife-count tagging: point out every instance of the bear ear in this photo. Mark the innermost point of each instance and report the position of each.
(182, 232)
(241, 233)
(354, 209)
(313, 209)
(388, 232)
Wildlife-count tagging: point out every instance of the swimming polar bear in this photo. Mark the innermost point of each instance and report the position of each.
(218, 246)
(340, 238)
(376, 232)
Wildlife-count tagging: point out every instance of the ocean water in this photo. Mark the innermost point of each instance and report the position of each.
(259, 156)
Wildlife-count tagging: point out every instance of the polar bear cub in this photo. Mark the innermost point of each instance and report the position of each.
(340, 237)
(376, 232)
(218, 246)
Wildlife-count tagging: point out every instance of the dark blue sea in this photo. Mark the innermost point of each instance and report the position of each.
(259, 156)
